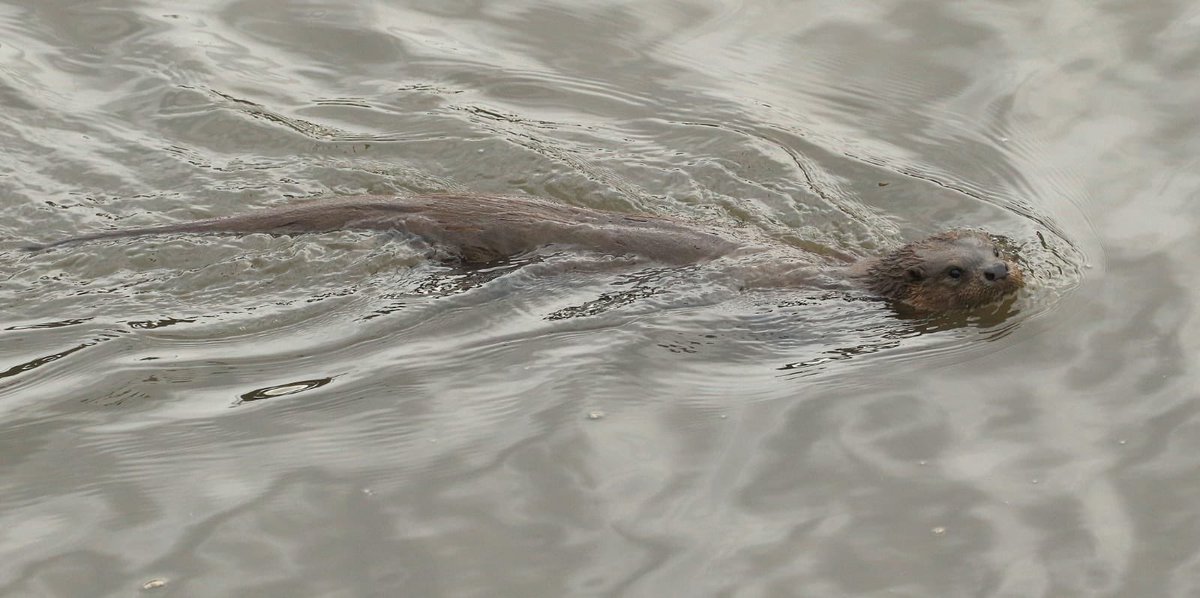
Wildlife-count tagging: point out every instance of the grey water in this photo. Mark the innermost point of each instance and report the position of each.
(335, 415)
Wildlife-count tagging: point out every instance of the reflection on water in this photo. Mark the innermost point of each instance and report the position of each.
(281, 390)
(427, 432)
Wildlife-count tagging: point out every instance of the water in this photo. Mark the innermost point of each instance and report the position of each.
(333, 415)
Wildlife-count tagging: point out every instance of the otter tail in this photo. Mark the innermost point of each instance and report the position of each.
(363, 212)
(119, 233)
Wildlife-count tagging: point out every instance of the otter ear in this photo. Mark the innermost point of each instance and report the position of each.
(914, 274)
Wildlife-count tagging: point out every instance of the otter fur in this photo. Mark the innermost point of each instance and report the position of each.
(947, 271)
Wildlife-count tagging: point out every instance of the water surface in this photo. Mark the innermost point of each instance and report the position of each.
(334, 415)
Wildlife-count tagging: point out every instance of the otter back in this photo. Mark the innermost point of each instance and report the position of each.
(474, 228)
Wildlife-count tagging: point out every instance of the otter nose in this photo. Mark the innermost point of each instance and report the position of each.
(996, 271)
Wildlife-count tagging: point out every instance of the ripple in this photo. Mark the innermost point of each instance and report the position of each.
(421, 410)
(280, 390)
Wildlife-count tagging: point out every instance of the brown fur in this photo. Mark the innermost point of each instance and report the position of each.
(478, 228)
(474, 228)
(919, 274)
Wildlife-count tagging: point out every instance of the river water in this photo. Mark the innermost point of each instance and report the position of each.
(335, 415)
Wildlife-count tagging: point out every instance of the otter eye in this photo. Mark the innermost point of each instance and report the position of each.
(995, 252)
(954, 272)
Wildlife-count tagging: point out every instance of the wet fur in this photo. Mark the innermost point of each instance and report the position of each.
(917, 273)
(472, 228)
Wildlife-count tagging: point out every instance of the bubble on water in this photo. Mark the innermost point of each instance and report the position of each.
(154, 584)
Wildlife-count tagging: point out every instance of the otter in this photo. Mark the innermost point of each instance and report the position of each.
(948, 271)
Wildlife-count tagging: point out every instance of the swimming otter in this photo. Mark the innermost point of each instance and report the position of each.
(951, 270)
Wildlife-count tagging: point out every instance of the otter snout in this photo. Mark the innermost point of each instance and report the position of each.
(996, 271)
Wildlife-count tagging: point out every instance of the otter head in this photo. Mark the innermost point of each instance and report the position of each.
(951, 270)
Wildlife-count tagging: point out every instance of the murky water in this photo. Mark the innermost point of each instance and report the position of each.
(333, 415)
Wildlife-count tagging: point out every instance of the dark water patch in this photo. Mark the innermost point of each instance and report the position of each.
(280, 390)
(12, 97)
(57, 324)
(41, 361)
(137, 394)
(159, 323)
(453, 280)
(605, 302)
(332, 33)
(308, 129)
(897, 339)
